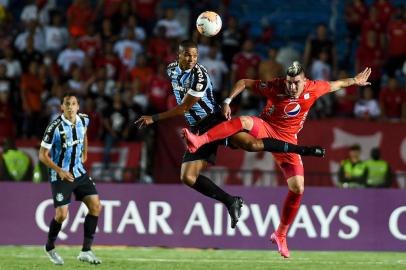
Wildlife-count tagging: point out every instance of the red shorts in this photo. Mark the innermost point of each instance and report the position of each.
(290, 163)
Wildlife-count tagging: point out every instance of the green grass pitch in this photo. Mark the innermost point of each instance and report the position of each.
(123, 258)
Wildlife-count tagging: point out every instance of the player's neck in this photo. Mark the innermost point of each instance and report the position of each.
(71, 119)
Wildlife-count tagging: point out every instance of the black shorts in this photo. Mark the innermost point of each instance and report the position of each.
(81, 187)
(208, 151)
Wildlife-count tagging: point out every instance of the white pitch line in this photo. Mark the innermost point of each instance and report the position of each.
(239, 260)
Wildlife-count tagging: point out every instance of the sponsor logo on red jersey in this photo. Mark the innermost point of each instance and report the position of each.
(292, 109)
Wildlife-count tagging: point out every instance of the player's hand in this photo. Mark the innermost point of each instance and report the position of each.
(227, 111)
(64, 175)
(144, 121)
(362, 78)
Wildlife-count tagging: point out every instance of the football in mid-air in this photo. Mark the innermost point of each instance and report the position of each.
(208, 23)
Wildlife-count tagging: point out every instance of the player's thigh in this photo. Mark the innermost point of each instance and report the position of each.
(85, 187)
(61, 192)
(190, 171)
(246, 142)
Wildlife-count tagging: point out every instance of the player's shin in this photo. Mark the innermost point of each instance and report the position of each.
(278, 146)
(54, 228)
(289, 211)
(89, 230)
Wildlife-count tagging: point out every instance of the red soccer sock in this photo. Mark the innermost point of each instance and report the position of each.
(223, 130)
(289, 211)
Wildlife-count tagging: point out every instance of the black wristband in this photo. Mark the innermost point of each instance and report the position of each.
(155, 117)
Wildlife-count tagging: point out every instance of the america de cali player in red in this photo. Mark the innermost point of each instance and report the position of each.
(289, 101)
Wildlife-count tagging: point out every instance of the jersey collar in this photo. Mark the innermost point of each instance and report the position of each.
(69, 122)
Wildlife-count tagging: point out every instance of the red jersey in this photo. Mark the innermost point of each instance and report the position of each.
(284, 114)
(392, 102)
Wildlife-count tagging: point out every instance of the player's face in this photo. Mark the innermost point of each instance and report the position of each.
(70, 107)
(188, 58)
(295, 85)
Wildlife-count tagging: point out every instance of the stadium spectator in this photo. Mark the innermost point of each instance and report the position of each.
(56, 35)
(31, 89)
(244, 60)
(112, 63)
(385, 11)
(372, 23)
(320, 42)
(115, 126)
(143, 72)
(13, 66)
(392, 99)
(71, 56)
(132, 25)
(35, 33)
(396, 35)
(288, 102)
(367, 107)
(107, 31)
(371, 54)
(269, 68)
(159, 89)
(353, 171)
(15, 164)
(127, 50)
(174, 30)
(345, 99)
(7, 108)
(80, 14)
(379, 171)
(90, 43)
(355, 12)
(68, 175)
(216, 69)
(159, 46)
(146, 11)
(232, 38)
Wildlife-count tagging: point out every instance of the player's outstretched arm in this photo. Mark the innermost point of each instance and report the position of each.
(186, 105)
(239, 86)
(361, 79)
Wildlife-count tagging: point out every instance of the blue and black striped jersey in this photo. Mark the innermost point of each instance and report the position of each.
(65, 142)
(195, 82)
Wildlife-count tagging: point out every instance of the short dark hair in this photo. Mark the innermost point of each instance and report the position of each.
(355, 147)
(70, 94)
(294, 69)
(186, 44)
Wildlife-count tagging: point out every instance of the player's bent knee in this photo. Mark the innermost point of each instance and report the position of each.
(246, 122)
(298, 189)
(95, 209)
(254, 146)
(60, 216)
(188, 180)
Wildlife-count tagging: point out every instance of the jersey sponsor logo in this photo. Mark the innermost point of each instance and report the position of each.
(292, 109)
(262, 84)
(72, 143)
(306, 96)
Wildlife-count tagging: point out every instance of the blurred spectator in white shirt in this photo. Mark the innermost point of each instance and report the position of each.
(367, 107)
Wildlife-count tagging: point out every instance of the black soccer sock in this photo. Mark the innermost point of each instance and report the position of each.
(278, 146)
(205, 186)
(54, 228)
(89, 230)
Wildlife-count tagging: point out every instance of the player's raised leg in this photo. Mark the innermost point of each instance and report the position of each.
(190, 175)
(247, 142)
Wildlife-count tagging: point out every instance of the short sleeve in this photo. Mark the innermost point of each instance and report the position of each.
(200, 83)
(50, 135)
(322, 87)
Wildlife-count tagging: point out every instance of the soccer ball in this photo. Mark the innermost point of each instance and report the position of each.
(208, 23)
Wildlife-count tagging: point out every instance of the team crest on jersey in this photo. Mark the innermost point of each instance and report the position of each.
(292, 109)
(59, 197)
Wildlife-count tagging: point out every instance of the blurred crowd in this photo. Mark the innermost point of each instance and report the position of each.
(114, 53)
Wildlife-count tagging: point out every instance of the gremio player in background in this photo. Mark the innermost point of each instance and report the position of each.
(194, 94)
(64, 150)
